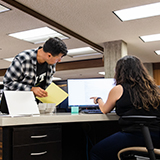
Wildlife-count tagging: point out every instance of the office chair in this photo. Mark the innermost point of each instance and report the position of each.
(144, 123)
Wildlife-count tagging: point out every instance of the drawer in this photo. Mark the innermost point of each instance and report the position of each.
(47, 151)
(34, 134)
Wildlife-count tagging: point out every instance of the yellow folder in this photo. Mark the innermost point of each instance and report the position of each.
(55, 95)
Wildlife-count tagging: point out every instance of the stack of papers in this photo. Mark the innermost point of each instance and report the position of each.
(55, 95)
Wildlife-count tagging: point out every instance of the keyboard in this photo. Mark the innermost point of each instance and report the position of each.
(91, 111)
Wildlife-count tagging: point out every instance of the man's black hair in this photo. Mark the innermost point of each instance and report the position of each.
(55, 46)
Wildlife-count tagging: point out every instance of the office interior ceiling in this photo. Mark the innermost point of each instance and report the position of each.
(92, 19)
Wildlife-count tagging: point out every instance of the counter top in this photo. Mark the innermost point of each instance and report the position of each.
(55, 118)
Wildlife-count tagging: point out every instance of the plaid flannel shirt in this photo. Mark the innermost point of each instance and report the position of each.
(21, 75)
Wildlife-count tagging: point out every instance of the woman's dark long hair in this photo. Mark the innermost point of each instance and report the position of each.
(142, 89)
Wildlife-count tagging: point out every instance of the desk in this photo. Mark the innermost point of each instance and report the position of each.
(66, 130)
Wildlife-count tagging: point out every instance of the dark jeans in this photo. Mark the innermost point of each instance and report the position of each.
(108, 148)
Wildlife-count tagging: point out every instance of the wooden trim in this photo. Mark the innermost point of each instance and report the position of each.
(2, 72)
(52, 23)
(93, 63)
(156, 73)
(156, 66)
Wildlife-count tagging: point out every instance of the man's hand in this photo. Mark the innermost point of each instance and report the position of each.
(39, 92)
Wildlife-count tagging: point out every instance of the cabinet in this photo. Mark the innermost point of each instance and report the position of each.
(59, 137)
(34, 143)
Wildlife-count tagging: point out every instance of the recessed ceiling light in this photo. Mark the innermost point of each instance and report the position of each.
(38, 35)
(85, 51)
(150, 38)
(157, 52)
(3, 8)
(138, 12)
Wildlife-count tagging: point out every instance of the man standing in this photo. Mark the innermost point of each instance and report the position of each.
(32, 70)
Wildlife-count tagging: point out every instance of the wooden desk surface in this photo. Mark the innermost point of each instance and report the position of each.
(55, 118)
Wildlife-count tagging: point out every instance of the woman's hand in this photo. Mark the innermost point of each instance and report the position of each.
(95, 99)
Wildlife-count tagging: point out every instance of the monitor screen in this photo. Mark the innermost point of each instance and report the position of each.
(80, 91)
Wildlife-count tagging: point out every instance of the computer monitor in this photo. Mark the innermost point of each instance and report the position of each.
(80, 91)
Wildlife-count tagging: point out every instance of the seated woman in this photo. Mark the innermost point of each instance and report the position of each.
(135, 93)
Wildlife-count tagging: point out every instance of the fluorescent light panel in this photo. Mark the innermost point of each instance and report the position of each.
(56, 78)
(102, 73)
(38, 35)
(138, 12)
(150, 38)
(80, 52)
(9, 59)
(157, 52)
(85, 55)
(3, 8)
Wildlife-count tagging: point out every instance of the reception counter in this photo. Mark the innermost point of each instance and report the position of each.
(54, 118)
(59, 136)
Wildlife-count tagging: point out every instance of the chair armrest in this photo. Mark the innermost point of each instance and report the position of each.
(141, 151)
